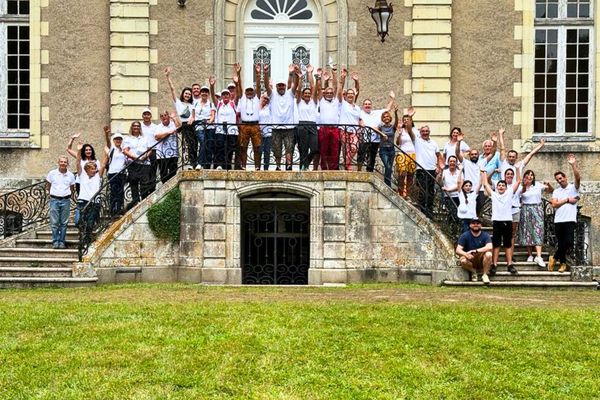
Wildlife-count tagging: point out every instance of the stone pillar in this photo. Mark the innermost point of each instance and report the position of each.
(191, 241)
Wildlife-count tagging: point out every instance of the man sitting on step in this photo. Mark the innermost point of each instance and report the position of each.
(475, 251)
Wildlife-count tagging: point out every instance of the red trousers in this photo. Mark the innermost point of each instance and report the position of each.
(329, 147)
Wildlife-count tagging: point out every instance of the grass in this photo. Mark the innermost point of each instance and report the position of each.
(363, 342)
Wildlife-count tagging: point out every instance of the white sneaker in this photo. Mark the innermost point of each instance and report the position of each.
(219, 168)
(188, 167)
(485, 279)
(540, 262)
(198, 167)
(530, 259)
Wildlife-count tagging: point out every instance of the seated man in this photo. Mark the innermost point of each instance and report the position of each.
(475, 251)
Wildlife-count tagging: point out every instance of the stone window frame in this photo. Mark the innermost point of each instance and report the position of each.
(229, 27)
(32, 137)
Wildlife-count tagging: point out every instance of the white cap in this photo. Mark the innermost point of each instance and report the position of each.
(116, 136)
(146, 110)
(225, 91)
(249, 87)
(204, 88)
(281, 82)
(231, 85)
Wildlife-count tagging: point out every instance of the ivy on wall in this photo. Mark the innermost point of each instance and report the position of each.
(165, 217)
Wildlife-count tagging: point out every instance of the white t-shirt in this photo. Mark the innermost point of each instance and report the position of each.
(349, 114)
(504, 165)
(60, 184)
(516, 200)
(264, 117)
(148, 132)
(450, 149)
(533, 195)
(88, 187)
(467, 210)
(406, 144)
(426, 151)
(117, 162)
(168, 147)
(471, 172)
(137, 145)
(226, 113)
(502, 205)
(567, 212)
(450, 181)
(307, 111)
(203, 110)
(372, 120)
(184, 110)
(82, 163)
(329, 111)
(249, 108)
(282, 107)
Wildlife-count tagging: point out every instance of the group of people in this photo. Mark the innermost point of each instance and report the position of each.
(517, 209)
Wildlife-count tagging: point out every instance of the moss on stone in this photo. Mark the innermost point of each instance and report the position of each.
(164, 217)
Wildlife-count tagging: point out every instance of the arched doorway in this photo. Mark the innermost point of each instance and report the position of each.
(275, 239)
(279, 33)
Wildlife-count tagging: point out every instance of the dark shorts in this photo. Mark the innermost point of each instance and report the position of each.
(502, 234)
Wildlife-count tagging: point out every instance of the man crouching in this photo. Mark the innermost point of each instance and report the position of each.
(475, 251)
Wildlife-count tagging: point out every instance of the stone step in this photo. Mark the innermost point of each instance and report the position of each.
(38, 252)
(526, 284)
(522, 266)
(37, 261)
(35, 282)
(43, 243)
(531, 276)
(21, 272)
(47, 235)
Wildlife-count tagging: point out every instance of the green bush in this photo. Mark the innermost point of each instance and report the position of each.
(165, 217)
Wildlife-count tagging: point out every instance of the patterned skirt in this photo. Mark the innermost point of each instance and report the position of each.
(404, 164)
(531, 226)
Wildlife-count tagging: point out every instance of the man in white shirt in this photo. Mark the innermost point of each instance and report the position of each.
(282, 113)
(148, 131)
(429, 163)
(564, 201)
(370, 144)
(60, 183)
(167, 151)
(510, 159)
(248, 111)
(329, 118)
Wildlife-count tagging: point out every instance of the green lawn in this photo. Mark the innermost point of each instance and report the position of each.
(363, 342)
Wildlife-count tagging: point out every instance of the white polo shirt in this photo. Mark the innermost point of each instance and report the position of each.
(349, 114)
(329, 111)
(60, 183)
(372, 120)
(226, 113)
(307, 111)
(426, 151)
(148, 131)
(567, 212)
(502, 205)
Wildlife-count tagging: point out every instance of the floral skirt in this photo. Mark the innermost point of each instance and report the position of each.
(404, 164)
(531, 226)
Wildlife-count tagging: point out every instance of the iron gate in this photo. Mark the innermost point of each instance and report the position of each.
(275, 239)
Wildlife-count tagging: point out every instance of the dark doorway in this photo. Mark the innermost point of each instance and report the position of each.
(275, 242)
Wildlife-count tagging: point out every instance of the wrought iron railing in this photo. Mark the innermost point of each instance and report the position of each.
(215, 146)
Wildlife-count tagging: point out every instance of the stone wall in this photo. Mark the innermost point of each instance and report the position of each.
(360, 231)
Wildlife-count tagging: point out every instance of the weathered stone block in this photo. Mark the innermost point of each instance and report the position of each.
(334, 250)
(581, 273)
(334, 215)
(334, 276)
(334, 233)
(214, 263)
(341, 185)
(191, 249)
(334, 264)
(214, 249)
(189, 274)
(214, 214)
(359, 251)
(193, 214)
(191, 232)
(215, 232)
(334, 198)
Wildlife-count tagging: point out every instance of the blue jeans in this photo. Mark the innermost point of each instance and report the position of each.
(59, 216)
(266, 151)
(89, 215)
(387, 155)
(206, 144)
(117, 193)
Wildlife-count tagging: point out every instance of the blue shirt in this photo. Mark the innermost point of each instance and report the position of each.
(470, 242)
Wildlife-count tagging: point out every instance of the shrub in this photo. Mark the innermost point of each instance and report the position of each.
(164, 217)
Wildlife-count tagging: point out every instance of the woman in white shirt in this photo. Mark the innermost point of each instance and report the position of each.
(349, 121)
(531, 225)
(307, 137)
(186, 112)
(264, 119)
(90, 178)
(115, 164)
(405, 160)
(448, 178)
(467, 197)
(450, 147)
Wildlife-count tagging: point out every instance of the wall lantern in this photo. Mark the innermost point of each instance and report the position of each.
(382, 14)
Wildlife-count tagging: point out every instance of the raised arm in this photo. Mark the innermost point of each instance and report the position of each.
(501, 132)
(354, 77)
(168, 71)
(257, 81)
(396, 119)
(487, 189)
(78, 163)
(70, 145)
(576, 174)
(237, 79)
(457, 151)
(390, 104)
(340, 88)
(334, 82)
(533, 152)
(213, 95)
(267, 78)
(107, 135)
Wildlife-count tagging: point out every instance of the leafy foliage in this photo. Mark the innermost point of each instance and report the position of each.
(165, 216)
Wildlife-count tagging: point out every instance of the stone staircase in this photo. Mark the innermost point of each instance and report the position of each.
(30, 261)
(530, 274)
